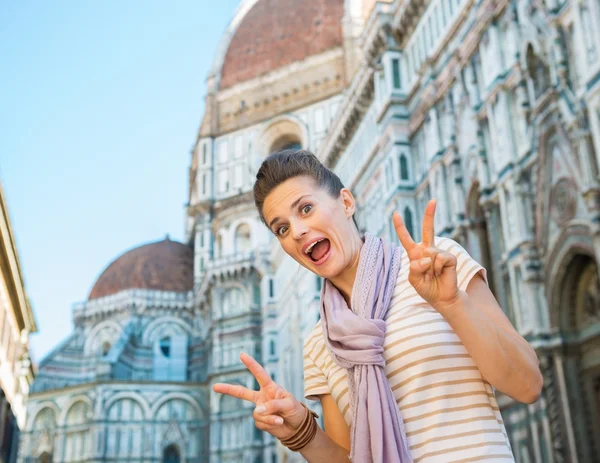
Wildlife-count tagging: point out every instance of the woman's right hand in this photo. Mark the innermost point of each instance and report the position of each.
(277, 411)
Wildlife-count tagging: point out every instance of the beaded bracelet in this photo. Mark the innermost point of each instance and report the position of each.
(305, 432)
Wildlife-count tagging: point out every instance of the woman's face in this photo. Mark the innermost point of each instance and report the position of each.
(312, 227)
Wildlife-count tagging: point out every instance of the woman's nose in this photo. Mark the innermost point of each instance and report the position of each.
(299, 230)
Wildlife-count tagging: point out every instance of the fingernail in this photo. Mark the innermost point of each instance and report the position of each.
(279, 421)
(261, 409)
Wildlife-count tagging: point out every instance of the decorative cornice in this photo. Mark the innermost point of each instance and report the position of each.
(131, 300)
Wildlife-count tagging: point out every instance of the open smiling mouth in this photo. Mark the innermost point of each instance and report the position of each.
(319, 251)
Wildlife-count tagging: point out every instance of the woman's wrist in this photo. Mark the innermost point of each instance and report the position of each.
(305, 432)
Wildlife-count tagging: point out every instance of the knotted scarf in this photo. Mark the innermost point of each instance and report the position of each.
(355, 339)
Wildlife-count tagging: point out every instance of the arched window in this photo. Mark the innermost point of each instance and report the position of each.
(403, 167)
(171, 454)
(272, 347)
(77, 438)
(408, 221)
(243, 241)
(125, 430)
(286, 142)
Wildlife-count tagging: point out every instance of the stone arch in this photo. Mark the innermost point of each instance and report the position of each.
(126, 415)
(106, 331)
(76, 431)
(281, 131)
(177, 396)
(42, 407)
(563, 264)
(150, 333)
(72, 401)
(571, 277)
(573, 240)
(128, 395)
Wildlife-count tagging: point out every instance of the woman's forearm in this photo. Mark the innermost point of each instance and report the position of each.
(504, 358)
(324, 450)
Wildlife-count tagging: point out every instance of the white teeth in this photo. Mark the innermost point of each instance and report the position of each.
(309, 249)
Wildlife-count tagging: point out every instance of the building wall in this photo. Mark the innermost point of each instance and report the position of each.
(491, 107)
(16, 324)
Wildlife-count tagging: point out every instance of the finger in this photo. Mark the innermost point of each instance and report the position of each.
(419, 268)
(236, 391)
(271, 420)
(403, 234)
(262, 377)
(443, 260)
(427, 233)
(276, 407)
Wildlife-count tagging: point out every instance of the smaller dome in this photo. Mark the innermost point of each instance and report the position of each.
(164, 265)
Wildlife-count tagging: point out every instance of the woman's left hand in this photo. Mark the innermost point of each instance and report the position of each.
(432, 271)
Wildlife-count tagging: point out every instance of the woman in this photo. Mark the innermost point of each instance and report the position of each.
(410, 343)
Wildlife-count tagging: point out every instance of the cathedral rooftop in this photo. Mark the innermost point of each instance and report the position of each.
(163, 265)
(275, 33)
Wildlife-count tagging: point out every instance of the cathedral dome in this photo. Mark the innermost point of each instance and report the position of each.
(275, 33)
(164, 265)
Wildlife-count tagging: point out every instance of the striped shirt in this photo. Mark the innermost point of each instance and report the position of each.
(450, 412)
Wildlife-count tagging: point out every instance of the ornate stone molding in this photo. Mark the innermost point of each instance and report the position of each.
(378, 38)
(487, 11)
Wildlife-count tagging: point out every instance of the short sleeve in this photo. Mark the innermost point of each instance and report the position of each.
(315, 380)
(466, 266)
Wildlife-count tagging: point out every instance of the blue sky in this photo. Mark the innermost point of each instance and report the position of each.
(100, 105)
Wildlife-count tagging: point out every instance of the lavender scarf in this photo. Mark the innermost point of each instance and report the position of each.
(354, 339)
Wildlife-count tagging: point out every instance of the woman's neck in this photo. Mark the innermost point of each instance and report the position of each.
(344, 282)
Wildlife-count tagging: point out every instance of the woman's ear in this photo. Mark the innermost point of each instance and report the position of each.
(348, 202)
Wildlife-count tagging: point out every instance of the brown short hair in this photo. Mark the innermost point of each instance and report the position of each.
(286, 164)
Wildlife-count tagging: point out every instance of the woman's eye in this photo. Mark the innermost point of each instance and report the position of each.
(281, 230)
(306, 209)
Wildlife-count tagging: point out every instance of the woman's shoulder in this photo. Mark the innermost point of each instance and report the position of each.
(314, 336)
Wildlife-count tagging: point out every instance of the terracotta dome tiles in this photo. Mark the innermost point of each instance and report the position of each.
(276, 33)
(164, 265)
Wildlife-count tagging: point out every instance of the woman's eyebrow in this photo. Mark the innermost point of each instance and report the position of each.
(293, 206)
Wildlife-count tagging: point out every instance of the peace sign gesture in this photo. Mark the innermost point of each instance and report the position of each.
(432, 271)
(277, 411)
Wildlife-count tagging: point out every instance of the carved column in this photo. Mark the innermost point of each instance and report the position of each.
(553, 409)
